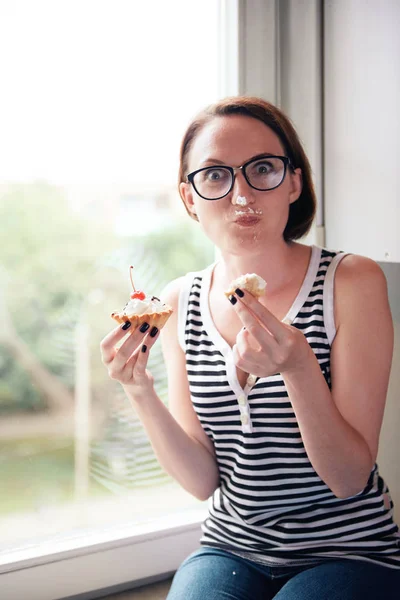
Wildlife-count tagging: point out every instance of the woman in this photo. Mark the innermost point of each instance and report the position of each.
(276, 404)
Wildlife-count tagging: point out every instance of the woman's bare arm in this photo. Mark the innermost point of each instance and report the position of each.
(340, 428)
(180, 453)
(178, 440)
(197, 472)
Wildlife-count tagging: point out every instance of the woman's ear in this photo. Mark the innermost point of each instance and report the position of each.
(296, 185)
(185, 191)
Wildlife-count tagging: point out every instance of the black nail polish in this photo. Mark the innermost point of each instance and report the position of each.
(239, 293)
(126, 325)
(232, 299)
(153, 332)
(144, 348)
(144, 327)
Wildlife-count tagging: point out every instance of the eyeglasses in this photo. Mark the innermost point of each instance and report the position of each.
(263, 173)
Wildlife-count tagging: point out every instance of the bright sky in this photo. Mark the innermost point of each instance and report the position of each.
(100, 91)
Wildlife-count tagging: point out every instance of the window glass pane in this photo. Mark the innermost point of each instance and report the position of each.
(96, 96)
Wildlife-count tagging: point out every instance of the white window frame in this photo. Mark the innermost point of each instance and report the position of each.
(253, 62)
(99, 562)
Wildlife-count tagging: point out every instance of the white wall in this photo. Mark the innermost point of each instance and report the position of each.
(361, 163)
(362, 126)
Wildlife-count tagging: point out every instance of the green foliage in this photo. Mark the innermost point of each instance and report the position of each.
(46, 263)
(38, 472)
(16, 390)
(57, 268)
(180, 248)
(47, 251)
(35, 476)
(53, 259)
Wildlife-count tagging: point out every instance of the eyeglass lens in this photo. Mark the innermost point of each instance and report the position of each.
(263, 174)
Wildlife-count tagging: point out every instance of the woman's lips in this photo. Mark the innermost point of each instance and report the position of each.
(247, 220)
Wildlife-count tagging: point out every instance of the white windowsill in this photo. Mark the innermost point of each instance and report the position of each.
(96, 560)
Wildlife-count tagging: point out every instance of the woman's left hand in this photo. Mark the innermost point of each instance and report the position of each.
(266, 346)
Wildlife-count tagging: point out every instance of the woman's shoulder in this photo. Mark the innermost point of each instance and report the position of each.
(360, 285)
(355, 270)
(173, 290)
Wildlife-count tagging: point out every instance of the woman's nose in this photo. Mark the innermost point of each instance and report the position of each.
(241, 188)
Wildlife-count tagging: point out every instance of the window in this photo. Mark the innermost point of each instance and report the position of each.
(96, 97)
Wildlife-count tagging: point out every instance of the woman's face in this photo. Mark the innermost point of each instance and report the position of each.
(245, 216)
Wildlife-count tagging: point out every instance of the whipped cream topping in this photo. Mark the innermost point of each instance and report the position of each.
(141, 307)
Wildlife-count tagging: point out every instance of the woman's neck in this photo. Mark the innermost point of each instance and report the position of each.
(277, 264)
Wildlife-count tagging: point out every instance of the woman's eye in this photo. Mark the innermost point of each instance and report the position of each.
(263, 168)
(214, 174)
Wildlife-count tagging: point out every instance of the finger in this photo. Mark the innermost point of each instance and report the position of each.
(253, 325)
(249, 352)
(248, 362)
(246, 341)
(148, 340)
(142, 354)
(129, 346)
(263, 315)
(107, 344)
(138, 362)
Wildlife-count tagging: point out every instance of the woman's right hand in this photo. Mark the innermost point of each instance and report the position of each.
(127, 363)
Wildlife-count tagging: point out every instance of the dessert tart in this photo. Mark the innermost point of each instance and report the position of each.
(250, 282)
(143, 309)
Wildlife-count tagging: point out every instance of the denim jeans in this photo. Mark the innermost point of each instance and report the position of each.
(212, 574)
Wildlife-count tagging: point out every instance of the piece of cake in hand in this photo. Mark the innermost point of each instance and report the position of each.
(142, 309)
(250, 282)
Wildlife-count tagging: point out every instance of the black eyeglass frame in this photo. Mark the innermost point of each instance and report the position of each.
(286, 164)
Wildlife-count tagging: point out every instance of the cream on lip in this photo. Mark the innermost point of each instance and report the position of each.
(249, 211)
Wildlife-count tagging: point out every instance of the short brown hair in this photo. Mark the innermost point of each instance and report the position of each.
(302, 211)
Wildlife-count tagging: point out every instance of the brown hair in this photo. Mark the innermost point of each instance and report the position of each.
(302, 211)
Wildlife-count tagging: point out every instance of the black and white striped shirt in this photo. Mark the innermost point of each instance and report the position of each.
(271, 505)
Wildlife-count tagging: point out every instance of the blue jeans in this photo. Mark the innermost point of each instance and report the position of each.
(212, 574)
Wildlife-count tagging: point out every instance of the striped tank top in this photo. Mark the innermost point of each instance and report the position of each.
(271, 505)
